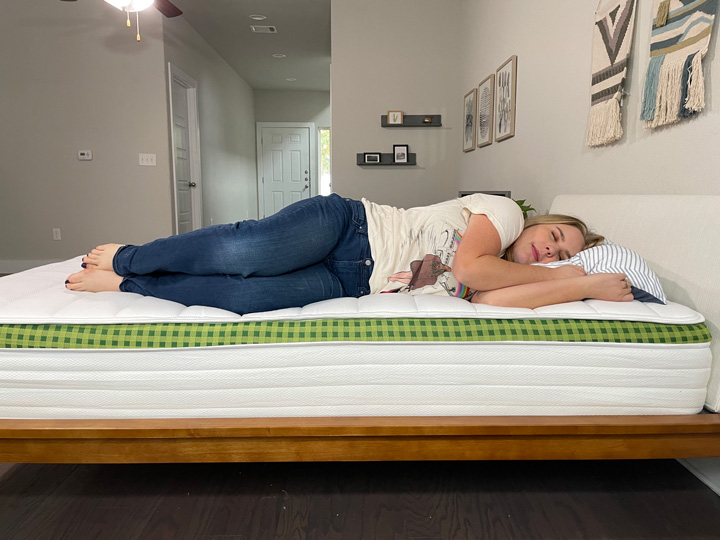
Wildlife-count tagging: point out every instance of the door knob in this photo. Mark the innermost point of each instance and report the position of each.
(192, 184)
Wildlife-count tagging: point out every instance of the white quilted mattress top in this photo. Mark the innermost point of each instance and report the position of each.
(38, 296)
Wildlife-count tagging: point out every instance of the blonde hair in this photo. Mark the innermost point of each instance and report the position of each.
(591, 239)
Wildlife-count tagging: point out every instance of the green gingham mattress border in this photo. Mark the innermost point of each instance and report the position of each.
(371, 330)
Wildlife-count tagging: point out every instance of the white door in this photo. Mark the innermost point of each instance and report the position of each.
(185, 152)
(286, 168)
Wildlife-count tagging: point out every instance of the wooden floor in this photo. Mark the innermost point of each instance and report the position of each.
(654, 500)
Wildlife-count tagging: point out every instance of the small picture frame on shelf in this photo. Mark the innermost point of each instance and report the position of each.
(469, 112)
(394, 118)
(371, 157)
(400, 153)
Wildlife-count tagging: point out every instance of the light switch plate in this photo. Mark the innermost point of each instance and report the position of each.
(148, 160)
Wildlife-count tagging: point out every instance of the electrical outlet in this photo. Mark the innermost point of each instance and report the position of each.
(148, 160)
(56, 234)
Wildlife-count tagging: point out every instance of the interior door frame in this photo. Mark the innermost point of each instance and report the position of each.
(314, 188)
(191, 87)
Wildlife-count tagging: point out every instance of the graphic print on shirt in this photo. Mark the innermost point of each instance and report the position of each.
(434, 268)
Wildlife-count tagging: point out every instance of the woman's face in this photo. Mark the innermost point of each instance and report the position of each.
(547, 243)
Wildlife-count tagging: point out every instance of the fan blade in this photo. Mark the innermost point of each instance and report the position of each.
(167, 8)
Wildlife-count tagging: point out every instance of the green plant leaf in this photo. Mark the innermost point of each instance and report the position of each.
(524, 207)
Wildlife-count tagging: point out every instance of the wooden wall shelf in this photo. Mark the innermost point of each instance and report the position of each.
(386, 160)
(414, 121)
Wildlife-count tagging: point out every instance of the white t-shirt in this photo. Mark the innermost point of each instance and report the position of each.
(414, 249)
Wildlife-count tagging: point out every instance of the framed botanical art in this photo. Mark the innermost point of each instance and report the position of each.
(395, 118)
(505, 90)
(485, 107)
(469, 111)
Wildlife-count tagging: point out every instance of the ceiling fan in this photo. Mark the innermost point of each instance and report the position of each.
(166, 7)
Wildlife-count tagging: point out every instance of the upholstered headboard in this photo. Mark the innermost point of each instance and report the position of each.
(679, 236)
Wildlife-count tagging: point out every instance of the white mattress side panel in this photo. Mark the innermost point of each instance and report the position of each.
(355, 380)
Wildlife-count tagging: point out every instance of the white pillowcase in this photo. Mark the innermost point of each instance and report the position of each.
(614, 258)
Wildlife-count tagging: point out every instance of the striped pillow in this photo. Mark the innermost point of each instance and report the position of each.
(614, 258)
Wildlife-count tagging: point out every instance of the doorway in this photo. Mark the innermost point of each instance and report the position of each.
(287, 164)
(185, 143)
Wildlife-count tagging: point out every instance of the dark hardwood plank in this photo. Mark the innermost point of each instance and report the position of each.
(649, 499)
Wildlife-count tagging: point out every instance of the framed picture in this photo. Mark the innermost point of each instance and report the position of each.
(400, 153)
(505, 90)
(485, 107)
(371, 157)
(469, 112)
(395, 117)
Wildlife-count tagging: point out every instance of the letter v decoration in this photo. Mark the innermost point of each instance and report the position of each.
(612, 41)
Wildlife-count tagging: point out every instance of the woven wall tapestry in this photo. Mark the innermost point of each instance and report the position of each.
(612, 40)
(674, 82)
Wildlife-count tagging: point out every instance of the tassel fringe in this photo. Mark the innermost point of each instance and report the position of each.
(669, 95)
(669, 107)
(696, 87)
(651, 85)
(604, 125)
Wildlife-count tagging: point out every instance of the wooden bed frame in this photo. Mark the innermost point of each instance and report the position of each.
(359, 439)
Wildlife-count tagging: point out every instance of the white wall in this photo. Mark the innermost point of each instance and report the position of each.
(547, 156)
(227, 125)
(74, 78)
(293, 106)
(398, 55)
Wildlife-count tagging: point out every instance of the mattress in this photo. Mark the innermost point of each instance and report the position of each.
(65, 354)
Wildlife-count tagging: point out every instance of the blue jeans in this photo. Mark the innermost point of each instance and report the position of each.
(312, 250)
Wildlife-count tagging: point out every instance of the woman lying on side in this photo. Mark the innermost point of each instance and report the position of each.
(331, 247)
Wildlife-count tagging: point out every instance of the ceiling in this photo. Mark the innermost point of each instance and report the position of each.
(303, 35)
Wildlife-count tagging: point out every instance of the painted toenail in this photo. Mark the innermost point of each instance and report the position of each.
(84, 265)
(67, 281)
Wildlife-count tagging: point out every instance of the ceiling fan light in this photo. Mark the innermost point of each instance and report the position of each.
(131, 5)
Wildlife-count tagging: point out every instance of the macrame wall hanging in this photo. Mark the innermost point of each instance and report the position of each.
(674, 82)
(612, 40)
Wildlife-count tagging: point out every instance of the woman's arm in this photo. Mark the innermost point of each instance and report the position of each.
(613, 287)
(477, 265)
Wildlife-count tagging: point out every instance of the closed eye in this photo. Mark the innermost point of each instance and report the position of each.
(565, 254)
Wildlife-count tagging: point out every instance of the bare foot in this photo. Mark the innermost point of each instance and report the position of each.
(93, 280)
(101, 257)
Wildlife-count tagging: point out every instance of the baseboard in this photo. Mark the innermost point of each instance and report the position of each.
(8, 266)
(706, 469)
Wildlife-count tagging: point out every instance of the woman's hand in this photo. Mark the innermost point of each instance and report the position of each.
(612, 287)
(568, 271)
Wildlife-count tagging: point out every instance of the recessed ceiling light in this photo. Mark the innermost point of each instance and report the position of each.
(279, 55)
(291, 79)
(258, 17)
